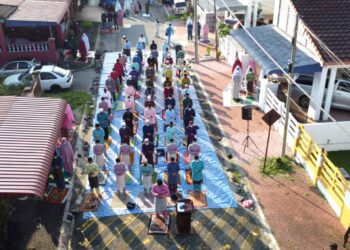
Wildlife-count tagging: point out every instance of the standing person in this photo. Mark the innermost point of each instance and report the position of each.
(147, 151)
(103, 120)
(104, 21)
(82, 50)
(129, 104)
(67, 154)
(148, 131)
(119, 68)
(86, 41)
(150, 114)
(110, 19)
(149, 102)
(170, 100)
(56, 166)
(189, 31)
(171, 149)
(136, 8)
(197, 167)
(165, 50)
(157, 27)
(111, 86)
(170, 116)
(236, 83)
(108, 98)
(115, 20)
(142, 40)
(134, 77)
(125, 151)
(169, 32)
(170, 133)
(185, 81)
(98, 133)
(92, 170)
(137, 59)
(127, 49)
(125, 133)
(187, 101)
(103, 105)
(99, 150)
(146, 173)
(199, 27)
(155, 55)
(189, 115)
(120, 169)
(160, 191)
(250, 78)
(194, 149)
(173, 169)
(120, 18)
(168, 91)
(127, 7)
(128, 118)
(191, 132)
(130, 90)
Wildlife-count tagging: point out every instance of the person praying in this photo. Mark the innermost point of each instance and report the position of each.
(170, 116)
(130, 90)
(125, 133)
(170, 133)
(129, 104)
(150, 91)
(108, 98)
(120, 169)
(146, 171)
(168, 91)
(99, 150)
(173, 169)
(98, 133)
(92, 170)
(148, 131)
(103, 120)
(149, 102)
(67, 154)
(185, 81)
(168, 73)
(171, 149)
(191, 132)
(197, 167)
(187, 101)
(125, 151)
(189, 115)
(160, 191)
(103, 104)
(170, 100)
(150, 114)
(194, 149)
(128, 118)
(167, 82)
(147, 151)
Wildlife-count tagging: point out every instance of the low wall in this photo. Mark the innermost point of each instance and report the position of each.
(331, 136)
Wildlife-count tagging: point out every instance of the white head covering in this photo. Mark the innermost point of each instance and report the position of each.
(101, 110)
(189, 20)
(146, 121)
(149, 98)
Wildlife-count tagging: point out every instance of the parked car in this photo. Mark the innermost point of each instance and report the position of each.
(16, 67)
(180, 7)
(52, 78)
(341, 93)
(108, 4)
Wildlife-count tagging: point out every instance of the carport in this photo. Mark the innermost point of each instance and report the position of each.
(29, 130)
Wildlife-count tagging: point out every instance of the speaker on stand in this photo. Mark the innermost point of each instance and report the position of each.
(247, 115)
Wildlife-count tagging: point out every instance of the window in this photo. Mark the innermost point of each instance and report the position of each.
(46, 76)
(11, 66)
(59, 71)
(343, 86)
(23, 65)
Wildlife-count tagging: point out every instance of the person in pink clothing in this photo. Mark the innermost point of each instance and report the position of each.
(68, 121)
(120, 169)
(130, 104)
(124, 152)
(67, 154)
(130, 91)
(150, 114)
(120, 18)
(160, 191)
(99, 150)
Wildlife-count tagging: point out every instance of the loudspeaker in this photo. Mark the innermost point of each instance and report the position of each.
(247, 112)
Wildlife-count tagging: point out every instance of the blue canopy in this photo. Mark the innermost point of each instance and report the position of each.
(277, 46)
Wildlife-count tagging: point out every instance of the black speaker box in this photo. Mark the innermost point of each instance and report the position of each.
(247, 112)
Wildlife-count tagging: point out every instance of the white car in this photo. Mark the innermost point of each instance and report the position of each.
(52, 78)
(180, 7)
(17, 67)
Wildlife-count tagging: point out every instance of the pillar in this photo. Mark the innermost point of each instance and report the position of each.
(248, 14)
(317, 92)
(255, 13)
(276, 11)
(329, 96)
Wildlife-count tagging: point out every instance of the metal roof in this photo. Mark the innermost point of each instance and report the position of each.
(6, 11)
(29, 130)
(278, 47)
(234, 5)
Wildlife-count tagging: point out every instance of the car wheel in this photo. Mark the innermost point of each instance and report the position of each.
(55, 88)
(304, 101)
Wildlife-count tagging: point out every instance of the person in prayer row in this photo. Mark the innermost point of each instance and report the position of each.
(150, 91)
(168, 73)
(128, 118)
(103, 104)
(99, 150)
(189, 115)
(191, 132)
(170, 133)
(148, 151)
(168, 91)
(111, 86)
(125, 133)
(146, 173)
(167, 82)
(130, 104)
(98, 134)
(150, 72)
(160, 191)
(170, 100)
(194, 149)
(185, 91)
(149, 102)
(148, 131)
(108, 98)
(171, 149)
(120, 169)
(173, 169)
(134, 74)
(103, 121)
(170, 116)
(185, 81)
(150, 114)
(130, 90)
(187, 101)
(197, 167)
(92, 170)
(125, 151)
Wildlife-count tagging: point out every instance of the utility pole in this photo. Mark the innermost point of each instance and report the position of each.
(289, 92)
(195, 32)
(216, 33)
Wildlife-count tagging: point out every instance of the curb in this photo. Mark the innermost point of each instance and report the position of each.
(231, 155)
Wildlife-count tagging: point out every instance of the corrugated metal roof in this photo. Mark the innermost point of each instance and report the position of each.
(29, 129)
(6, 11)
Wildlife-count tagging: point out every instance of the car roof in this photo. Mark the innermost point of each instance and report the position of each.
(43, 68)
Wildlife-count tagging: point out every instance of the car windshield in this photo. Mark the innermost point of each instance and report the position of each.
(181, 4)
(24, 74)
(59, 71)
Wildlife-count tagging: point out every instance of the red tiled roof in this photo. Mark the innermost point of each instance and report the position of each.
(329, 20)
(29, 129)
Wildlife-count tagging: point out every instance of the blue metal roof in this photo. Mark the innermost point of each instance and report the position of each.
(279, 48)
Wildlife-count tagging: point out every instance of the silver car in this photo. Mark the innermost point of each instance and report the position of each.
(17, 67)
(341, 93)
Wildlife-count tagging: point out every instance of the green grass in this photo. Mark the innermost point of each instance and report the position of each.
(10, 90)
(341, 159)
(172, 17)
(236, 176)
(76, 99)
(278, 166)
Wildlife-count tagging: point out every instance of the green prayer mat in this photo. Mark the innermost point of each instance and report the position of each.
(119, 106)
(154, 178)
(128, 178)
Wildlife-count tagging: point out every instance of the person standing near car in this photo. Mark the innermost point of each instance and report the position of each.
(189, 31)
(110, 21)
(169, 32)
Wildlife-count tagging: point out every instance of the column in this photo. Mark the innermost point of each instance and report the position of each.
(276, 11)
(330, 92)
(248, 14)
(317, 92)
(255, 15)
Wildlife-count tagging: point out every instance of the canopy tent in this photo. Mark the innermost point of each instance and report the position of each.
(278, 47)
(29, 130)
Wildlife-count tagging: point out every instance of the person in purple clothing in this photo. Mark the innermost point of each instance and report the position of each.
(191, 132)
(134, 77)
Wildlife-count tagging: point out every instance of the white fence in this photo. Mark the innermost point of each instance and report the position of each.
(37, 46)
(330, 135)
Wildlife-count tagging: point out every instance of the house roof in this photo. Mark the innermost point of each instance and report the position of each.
(274, 42)
(29, 129)
(35, 11)
(6, 11)
(330, 22)
(234, 5)
(11, 2)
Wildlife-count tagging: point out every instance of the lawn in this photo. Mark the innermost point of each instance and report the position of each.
(341, 159)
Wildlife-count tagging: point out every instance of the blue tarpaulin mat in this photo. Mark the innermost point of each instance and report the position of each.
(218, 192)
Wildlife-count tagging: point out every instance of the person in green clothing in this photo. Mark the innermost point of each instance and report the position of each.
(98, 133)
(185, 81)
(187, 101)
(92, 170)
(250, 78)
(197, 167)
(146, 172)
(170, 133)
